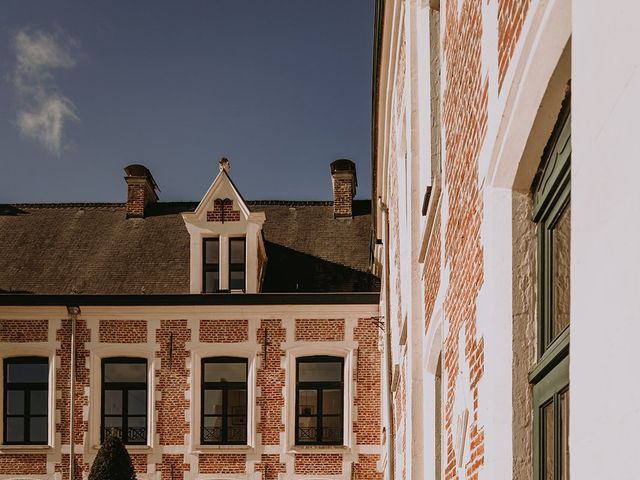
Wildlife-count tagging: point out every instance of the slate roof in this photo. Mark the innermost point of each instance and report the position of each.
(92, 249)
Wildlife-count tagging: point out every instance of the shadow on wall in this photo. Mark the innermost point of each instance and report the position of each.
(292, 271)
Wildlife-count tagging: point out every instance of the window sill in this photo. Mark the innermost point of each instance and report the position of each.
(26, 448)
(131, 448)
(319, 449)
(222, 449)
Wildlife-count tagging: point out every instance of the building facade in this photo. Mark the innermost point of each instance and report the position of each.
(503, 175)
(220, 340)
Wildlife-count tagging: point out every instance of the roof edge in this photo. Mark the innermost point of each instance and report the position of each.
(348, 298)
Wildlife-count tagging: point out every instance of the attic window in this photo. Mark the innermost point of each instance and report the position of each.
(237, 263)
(211, 265)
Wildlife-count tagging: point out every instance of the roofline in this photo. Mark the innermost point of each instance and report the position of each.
(375, 91)
(349, 298)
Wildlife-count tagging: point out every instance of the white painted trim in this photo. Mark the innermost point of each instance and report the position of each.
(100, 351)
(41, 349)
(308, 349)
(244, 350)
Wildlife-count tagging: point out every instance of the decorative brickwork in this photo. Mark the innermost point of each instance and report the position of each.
(318, 464)
(366, 469)
(123, 331)
(23, 464)
(270, 380)
(270, 467)
(224, 331)
(223, 211)
(320, 330)
(172, 381)
(222, 464)
(465, 123)
(367, 427)
(20, 331)
(511, 16)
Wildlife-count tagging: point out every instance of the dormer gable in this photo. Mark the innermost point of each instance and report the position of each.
(221, 228)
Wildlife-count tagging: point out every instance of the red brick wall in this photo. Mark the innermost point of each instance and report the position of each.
(23, 464)
(431, 272)
(270, 467)
(222, 463)
(172, 381)
(464, 121)
(123, 331)
(139, 461)
(224, 212)
(270, 380)
(24, 330)
(319, 330)
(79, 467)
(224, 331)
(367, 427)
(365, 469)
(318, 464)
(511, 16)
(343, 192)
(136, 200)
(172, 467)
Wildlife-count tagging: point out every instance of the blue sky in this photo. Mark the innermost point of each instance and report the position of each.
(281, 88)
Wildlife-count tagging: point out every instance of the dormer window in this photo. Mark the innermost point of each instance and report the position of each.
(211, 265)
(227, 251)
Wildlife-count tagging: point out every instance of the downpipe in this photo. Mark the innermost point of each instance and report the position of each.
(73, 316)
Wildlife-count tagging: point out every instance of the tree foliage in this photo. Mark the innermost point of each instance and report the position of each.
(112, 462)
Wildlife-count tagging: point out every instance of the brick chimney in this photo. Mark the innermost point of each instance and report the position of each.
(344, 180)
(141, 190)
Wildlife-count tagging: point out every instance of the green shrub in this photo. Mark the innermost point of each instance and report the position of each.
(112, 462)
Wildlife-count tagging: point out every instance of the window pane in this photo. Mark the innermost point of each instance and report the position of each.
(212, 251)
(564, 439)
(113, 426)
(27, 372)
(237, 429)
(212, 429)
(332, 401)
(561, 272)
(39, 402)
(137, 402)
(547, 442)
(320, 372)
(236, 250)
(307, 402)
(237, 401)
(38, 429)
(15, 402)
(236, 280)
(137, 429)
(125, 372)
(211, 282)
(15, 429)
(331, 429)
(225, 372)
(212, 402)
(307, 429)
(113, 402)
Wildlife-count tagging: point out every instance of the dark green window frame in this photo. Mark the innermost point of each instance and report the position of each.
(550, 376)
(26, 389)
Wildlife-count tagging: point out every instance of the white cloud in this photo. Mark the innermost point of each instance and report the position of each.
(43, 111)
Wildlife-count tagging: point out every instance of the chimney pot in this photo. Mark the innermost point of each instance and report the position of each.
(141, 190)
(344, 181)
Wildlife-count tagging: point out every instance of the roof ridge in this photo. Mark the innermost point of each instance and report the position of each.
(64, 205)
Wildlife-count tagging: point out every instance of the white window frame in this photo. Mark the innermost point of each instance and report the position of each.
(13, 350)
(96, 355)
(221, 350)
(310, 350)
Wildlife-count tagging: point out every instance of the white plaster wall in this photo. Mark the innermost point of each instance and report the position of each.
(605, 392)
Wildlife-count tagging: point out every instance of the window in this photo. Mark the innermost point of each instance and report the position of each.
(211, 265)
(224, 401)
(26, 387)
(319, 400)
(124, 399)
(237, 263)
(550, 377)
